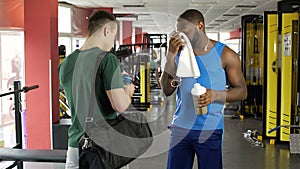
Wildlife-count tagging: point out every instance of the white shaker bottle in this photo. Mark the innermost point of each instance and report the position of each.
(197, 91)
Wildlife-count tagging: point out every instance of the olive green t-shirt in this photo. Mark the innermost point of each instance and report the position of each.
(77, 77)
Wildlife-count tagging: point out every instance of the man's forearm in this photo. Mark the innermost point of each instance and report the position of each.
(236, 94)
(231, 95)
(168, 75)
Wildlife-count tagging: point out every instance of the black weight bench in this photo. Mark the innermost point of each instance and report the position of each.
(13, 154)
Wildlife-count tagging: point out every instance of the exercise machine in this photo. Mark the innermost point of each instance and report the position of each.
(137, 65)
(252, 64)
(63, 105)
(288, 103)
(270, 92)
(281, 90)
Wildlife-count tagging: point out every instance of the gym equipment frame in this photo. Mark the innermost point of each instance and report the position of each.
(17, 153)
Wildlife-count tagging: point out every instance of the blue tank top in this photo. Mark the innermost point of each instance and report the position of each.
(212, 77)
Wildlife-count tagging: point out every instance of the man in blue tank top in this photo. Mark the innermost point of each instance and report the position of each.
(193, 133)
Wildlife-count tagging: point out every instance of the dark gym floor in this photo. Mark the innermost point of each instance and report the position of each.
(238, 152)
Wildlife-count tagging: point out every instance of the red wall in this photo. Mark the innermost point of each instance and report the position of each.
(138, 35)
(12, 14)
(54, 62)
(236, 34)
(80, 20)
(127, 32)
(41, 36)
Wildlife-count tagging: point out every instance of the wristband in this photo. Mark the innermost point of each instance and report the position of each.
(176, 82)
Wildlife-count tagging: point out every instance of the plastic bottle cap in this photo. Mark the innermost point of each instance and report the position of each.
(198, 89)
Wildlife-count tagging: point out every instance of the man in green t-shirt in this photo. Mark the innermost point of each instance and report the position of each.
(76, 72)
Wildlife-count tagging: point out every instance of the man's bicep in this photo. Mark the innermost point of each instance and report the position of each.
(234, 70)
(111, 75)
(238, 89)
(235, 76)
(114, 94)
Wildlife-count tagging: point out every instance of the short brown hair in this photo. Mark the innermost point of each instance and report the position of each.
(98, 19)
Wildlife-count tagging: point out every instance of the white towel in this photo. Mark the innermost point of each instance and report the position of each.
(187, 64)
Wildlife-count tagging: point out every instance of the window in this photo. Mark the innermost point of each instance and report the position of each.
(234, 44)
(64, 19)
(213, 35)
(65, 40)
(65, 30)
(12, 68)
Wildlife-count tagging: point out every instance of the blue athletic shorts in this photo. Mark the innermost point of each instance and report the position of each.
(184, 144)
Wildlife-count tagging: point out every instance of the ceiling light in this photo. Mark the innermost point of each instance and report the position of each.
(126, 17)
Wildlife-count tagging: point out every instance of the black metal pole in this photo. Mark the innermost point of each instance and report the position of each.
(18, 110)
(5, 94)
(18, 119)
(24, 89)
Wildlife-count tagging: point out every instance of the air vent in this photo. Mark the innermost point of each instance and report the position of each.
(126, 15)
(246, 6)
(214, 24)
(144, 14)
(146, 20)
(231, 15)
(221, 20)
(134, 6)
